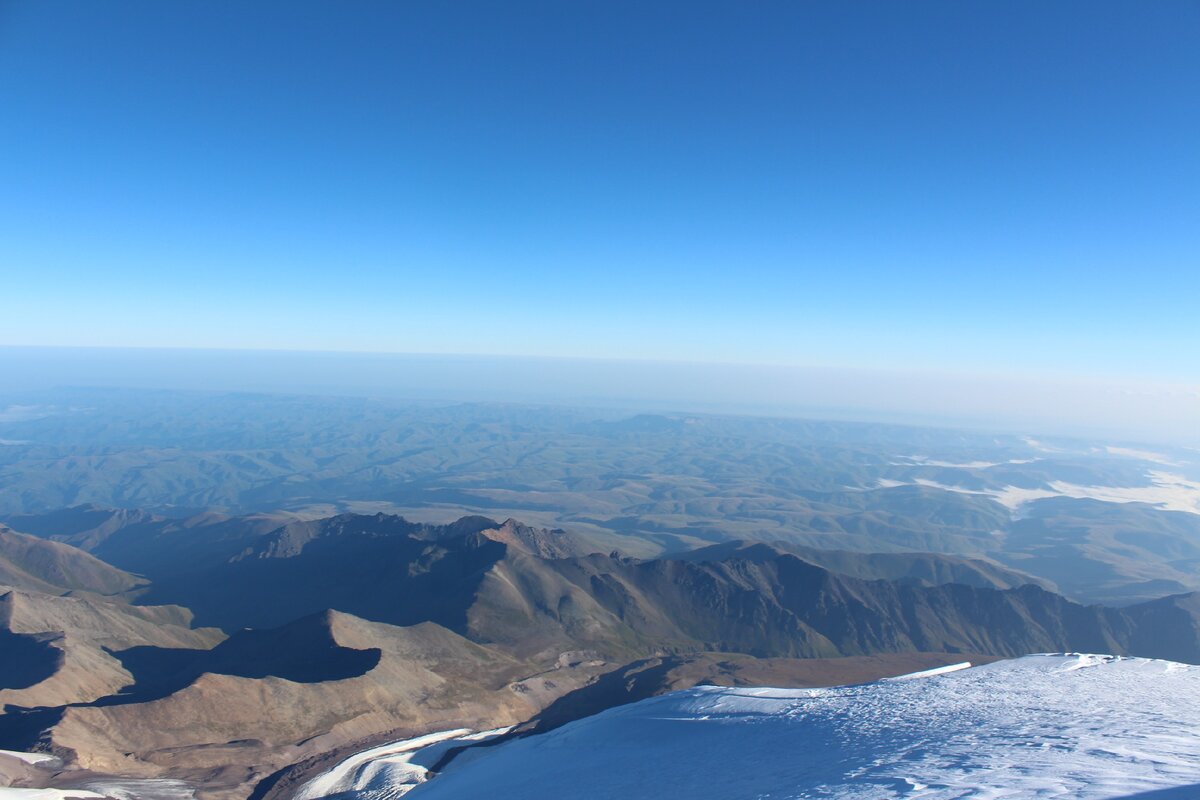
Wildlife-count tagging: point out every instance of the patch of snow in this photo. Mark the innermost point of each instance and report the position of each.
(1084, 660)
(13, 793)
(391, 770)
(1168, 491)
(1010, 496)
(923, 461)
(23, 413)
(929, 673)
(1040, 726)
(1036, 445)
(1141, 455)
(142, 788)
(1171, 492)
(30, 758)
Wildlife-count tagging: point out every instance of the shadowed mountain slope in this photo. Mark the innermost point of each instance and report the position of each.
(304, 651)
(86, 526)
(787, 607)
(930, 569)
(84, 632)
(496, 585)
(1168, 627)
(34, 564)
(380, 567)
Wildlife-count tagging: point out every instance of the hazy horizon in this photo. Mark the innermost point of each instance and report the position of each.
(1087, 408)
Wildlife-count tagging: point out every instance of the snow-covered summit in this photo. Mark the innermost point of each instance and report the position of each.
(1045, 726)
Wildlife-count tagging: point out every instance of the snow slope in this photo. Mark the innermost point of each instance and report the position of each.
(36, 760)
(1049, 726)
(7, 793)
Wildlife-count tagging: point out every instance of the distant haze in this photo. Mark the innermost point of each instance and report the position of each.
(1153, 413)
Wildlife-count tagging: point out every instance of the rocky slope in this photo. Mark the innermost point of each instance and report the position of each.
(227, 717)
(68, 643)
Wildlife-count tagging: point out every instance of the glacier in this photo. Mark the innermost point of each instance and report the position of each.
(1045, 726)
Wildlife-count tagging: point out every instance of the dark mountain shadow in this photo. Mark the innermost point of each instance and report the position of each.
(640, 680)
(23, 729)
(378, 568)
(303, 651)
(637, 681)
(1167, 628)
(27, 659)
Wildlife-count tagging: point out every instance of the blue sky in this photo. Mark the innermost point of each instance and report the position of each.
(986, 187)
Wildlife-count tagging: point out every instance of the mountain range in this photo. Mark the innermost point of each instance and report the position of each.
(1098, 521)
(268, 642)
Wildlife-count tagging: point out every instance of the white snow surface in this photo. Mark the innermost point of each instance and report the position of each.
(12, 793)
(30, 758)
(1049, 726)
(140, 789)
(390, 770)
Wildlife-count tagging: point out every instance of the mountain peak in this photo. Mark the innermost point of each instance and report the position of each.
(541, 542)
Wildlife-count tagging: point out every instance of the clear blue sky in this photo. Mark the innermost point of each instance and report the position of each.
(983, 186)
